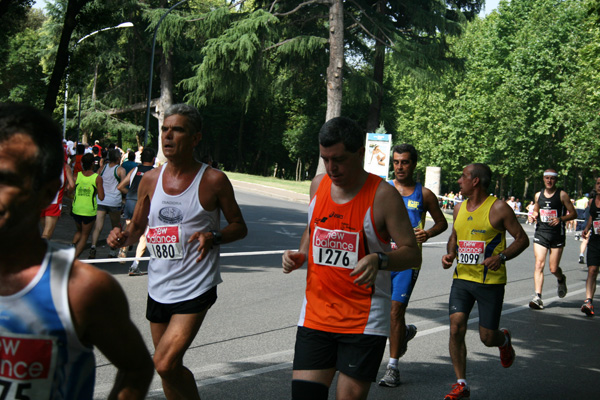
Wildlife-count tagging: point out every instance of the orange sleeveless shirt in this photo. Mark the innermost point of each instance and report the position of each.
(340, 235)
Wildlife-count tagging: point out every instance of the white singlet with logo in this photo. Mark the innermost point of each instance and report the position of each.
(174, 275)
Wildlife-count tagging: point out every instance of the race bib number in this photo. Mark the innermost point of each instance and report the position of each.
(596, 227)
(165, 242)
(471, 251)
(546, 215)
(335, 248)
(28, 363)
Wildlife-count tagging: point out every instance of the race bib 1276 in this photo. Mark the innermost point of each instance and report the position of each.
(164, 242)
(335, 248)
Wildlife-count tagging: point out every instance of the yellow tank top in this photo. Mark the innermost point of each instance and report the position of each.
(477, 239)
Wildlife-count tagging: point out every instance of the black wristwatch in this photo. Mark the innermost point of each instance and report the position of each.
(502, 257)
(383, 260)
(217, 237)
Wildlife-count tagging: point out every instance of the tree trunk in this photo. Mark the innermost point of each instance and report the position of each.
(166, 96)
(62, 55)
(525, 188)
(378, 68)
(336, 65)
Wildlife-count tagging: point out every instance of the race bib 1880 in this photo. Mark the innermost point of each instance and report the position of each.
(27, 365)
(335, 248)
(164, 242)
(471, 251)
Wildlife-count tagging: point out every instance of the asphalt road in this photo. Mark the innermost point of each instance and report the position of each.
(245, 347)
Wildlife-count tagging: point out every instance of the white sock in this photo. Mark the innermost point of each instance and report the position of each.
(463, 381)
(393, 363)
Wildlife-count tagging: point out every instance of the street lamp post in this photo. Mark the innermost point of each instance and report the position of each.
(152, 69)
(121, 25)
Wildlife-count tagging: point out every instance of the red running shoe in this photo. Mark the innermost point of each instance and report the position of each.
(507, 353)
(588, 308)
(459, 391)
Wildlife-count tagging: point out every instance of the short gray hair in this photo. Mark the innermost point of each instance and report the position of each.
(190, 112)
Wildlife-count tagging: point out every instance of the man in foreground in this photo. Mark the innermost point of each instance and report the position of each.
(552, 209)
(344, 322)
(180, 203)
(53, 308)
(418, 201)
(478, 242)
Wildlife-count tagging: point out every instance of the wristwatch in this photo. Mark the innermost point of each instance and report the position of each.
(502, 257)
(217, 237)
(383, 260)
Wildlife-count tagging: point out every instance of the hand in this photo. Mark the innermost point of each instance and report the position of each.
(367, 267)
(448, 260)
(205, 243)
(117, 238)
(585, 234)
(292, 260)
(421, 235)
(492, 263)
(554, 222)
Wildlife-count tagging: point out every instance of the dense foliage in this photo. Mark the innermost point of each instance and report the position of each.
(517, 89)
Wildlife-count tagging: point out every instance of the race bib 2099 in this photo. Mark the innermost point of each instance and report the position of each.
(471, 251)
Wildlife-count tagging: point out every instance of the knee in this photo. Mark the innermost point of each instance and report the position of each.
(488, 338)
(165, 367)
(398, 312)
(457, 332)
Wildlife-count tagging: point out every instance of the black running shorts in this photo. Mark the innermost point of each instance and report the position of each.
(549, 240)
(593, 252)
(161, 313)
(356, 355)
(489, 301)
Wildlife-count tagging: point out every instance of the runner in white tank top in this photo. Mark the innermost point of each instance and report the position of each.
(178, 209)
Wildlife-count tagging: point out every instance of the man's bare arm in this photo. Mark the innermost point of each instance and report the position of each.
(101, 317)
(291, 259)
(502, 217)
(448, 259)
(440, 224)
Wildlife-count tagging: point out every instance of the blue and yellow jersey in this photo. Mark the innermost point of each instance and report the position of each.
(476, 240)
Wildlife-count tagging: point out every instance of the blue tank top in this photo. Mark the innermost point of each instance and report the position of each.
(41, 355)
(414, 206)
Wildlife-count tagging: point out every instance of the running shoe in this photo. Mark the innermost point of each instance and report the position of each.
(561, 290)
(507, 353)
(112, 253)
(122, 254)
(459, 391)
(134, 270)
(536, 303)
(391, 377)
(581, 260)
(411, 331)
(92, 253)
(588, 308)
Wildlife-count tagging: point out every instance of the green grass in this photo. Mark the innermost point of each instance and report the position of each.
(297, 187)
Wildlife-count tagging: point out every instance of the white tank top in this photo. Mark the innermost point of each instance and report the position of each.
(173, 273)
(112, 195)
